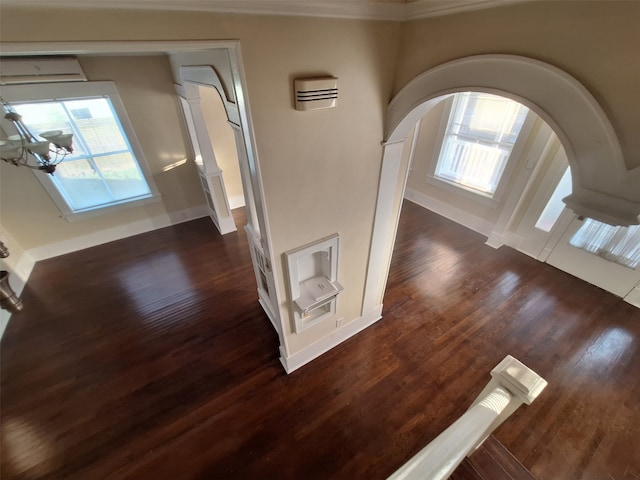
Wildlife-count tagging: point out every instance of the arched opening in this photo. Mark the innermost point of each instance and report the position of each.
(476, 158)
(602, 188)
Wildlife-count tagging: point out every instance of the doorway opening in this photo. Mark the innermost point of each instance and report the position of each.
(224, 145)
(557, 98)
(475, 158)
(215, 153)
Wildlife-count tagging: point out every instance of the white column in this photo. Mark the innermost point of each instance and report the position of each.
(245, 175)
(210, 173)
(392, 181)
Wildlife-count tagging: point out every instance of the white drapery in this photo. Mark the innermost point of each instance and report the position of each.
(616, 244)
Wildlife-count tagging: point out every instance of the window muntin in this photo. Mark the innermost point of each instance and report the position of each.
(103, 170)
(481, 132)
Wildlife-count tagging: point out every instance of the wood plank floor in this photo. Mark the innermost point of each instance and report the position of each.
(491, 461)
(149, 358)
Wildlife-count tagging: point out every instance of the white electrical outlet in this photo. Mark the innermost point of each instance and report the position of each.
(339, 322)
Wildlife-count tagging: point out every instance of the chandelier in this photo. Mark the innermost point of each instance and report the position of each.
(19, 149)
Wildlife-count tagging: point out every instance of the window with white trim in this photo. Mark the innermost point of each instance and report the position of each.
(480, 135)
(615, 244)
(107, 167)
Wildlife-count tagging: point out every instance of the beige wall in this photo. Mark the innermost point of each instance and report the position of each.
(597, 42)
(222, 140)
(320, 169)
(146, 88)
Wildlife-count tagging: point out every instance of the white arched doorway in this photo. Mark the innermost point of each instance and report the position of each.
(602, 186)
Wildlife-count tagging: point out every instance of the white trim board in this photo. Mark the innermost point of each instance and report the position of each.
(364, 10)
(383, 238)
(476, 224)
(120, 47)
(117, 233)
(633, 297)
(236, 202)
(313, 351)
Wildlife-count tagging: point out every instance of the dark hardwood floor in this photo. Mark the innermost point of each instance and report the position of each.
(150, 358)
(491, 461)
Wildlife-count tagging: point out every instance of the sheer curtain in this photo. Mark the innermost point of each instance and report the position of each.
(481, 132)
(616, 244)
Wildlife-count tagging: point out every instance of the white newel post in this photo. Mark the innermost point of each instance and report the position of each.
(512, 384)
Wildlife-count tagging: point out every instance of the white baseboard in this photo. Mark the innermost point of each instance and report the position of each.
(227, 225)
(17, 279)
(236, 202)
(117, 233)
(477, 224)
(496, 240)
(23, 269)
(307, 354)
(633, 297)
(4, 321)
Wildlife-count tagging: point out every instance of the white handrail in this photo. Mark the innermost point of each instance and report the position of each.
(512, 384)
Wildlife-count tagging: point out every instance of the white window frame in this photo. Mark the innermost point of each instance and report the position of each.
(77, 90)
(476, 195)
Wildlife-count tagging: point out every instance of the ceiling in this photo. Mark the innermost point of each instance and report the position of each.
(397, 10)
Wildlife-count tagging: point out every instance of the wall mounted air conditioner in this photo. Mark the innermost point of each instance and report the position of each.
(316, 93)
(40, 70)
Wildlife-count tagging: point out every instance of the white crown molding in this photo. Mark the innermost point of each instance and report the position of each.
(435, 8)
(330, 9)
(111, 47)
(397, 11)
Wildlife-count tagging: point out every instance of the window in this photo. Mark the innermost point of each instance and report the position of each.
(106, 168)
(481, 132)
(555, 205)
(616, 244)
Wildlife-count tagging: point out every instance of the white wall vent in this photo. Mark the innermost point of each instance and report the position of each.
(40, 70)
(316, 93)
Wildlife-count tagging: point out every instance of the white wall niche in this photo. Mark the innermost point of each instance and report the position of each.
(313, 282)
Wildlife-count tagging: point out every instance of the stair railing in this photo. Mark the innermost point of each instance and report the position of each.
(511, 385)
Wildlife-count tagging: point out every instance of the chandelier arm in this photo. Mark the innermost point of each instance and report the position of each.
(24, 131)
(60, 155)
(27, 144)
